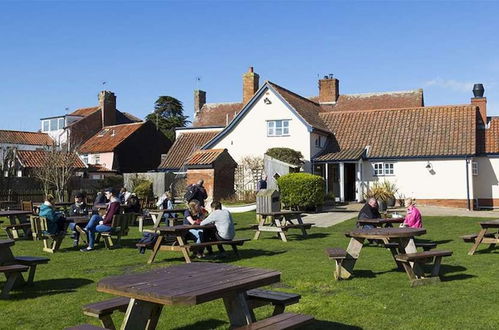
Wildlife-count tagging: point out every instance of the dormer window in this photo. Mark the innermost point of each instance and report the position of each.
(278, 127)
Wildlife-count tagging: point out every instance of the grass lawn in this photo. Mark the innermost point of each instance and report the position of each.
(378, 297)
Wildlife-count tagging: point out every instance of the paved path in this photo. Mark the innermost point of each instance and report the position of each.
(332, 216)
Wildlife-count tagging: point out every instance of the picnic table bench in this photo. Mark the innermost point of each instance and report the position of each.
(280, 222)
(415, 274)
(172, 238)
(148, 292)
(484, 237)
(13, 267)
(18, 221)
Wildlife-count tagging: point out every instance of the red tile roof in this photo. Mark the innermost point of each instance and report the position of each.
(184, 146)
(204, 157)
(21, 137)
(488, 138)
(217, 114)
(108, 138)
(37, 158)
(370, 101)
(411, 132)
(342, 155)
(84, 111)
(307, 109)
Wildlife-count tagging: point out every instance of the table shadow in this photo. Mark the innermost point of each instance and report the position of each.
(319, 324)
(48, 288)
(297, 236)
(204, 324)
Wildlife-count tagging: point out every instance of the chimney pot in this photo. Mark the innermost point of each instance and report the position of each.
(478, 90)
(250, 69)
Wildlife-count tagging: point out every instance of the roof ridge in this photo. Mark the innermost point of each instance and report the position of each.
(18, 131)
(433, 107)
(295, 94)
(418, 90)
(136, 123)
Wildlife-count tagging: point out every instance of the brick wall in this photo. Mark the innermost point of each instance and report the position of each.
(208, 175)
(458, 203)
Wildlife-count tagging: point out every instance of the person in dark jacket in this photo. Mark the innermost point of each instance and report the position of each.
(199, 193)
(55, 220)
(369, 211)
(100, 198)
(102, 224)
(79, 208)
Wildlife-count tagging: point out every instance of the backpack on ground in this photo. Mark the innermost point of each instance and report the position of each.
(148, 240)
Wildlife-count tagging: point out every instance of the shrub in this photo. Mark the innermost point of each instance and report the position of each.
(301, 190)
(286, 155)
(144, 190)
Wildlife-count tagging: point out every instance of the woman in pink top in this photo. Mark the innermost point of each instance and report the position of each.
(413, 217)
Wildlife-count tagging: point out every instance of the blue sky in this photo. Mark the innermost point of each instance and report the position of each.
(55, 55)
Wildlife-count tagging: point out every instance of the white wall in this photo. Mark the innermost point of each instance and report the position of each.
(414, 180)
(106, 159)
(249, 137)
(486, 183)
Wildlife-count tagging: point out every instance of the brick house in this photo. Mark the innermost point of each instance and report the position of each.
(135, 147)
(13, 141)
(441, 155)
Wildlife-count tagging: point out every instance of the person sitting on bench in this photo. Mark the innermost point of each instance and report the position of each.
(99, 224)
(223, 222)
(413, 217)
(55, 220)
(369, 211)
(79, 208)
(193, 216)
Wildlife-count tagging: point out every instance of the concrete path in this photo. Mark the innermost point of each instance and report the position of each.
(332, 216)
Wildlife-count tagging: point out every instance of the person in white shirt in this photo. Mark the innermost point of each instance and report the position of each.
(223, 222)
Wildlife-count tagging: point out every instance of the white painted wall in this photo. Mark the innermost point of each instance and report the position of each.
(486, 183)
(414, 180)
(249, 137)
(106, 159)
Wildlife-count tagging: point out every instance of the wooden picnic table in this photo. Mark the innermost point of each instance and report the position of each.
(484, 238)
(386, 222)
(404, 237)
(157, 215)
(172, 238)
(280, 222)
(7, 204)
(18, 220)
(188, 285)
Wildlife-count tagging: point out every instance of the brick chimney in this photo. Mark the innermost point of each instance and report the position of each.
(329, 89)
(199, 101)
(250, 84)
(107, 103)
(480, 101)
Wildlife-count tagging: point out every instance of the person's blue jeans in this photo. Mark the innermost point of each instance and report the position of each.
(367, 227)
(76, 234)
(93, 227)
(197, 233)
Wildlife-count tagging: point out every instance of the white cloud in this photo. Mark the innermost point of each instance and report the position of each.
(459, 86)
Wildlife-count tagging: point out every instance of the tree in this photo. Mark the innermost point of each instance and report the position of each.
(168, 113)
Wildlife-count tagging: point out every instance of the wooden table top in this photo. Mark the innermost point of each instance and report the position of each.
(13, 212)
(59, 204)
(283, 212)
(182, 228)
(381, 221)
(380, 233)
(6, 242)
(188, 284)
(490, 224)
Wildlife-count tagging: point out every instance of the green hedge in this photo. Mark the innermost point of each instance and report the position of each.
(301, 190)
(286, 155)
(143, 189)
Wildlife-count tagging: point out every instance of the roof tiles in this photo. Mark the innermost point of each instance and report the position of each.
(29, 138)
(204, 157)
(109, 137)
(217, 114)
(37, 158)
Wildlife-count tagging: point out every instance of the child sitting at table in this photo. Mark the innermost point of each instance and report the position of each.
(413, 217)
(55, 220)
(194, 214)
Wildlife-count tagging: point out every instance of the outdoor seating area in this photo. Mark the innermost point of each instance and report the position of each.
(280, 222)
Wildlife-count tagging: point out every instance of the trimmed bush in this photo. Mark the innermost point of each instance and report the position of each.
(286, 155)
(144, 190)
(301, 190)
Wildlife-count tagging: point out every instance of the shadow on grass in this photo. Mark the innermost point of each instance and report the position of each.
(318, 324)
(366, 273)
(205, 324)
(49, 287)
(230, 256)
(446, 269)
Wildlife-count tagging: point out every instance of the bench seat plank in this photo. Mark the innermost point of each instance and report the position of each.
(425, 245)
(107, 306)
(423, 255)
(28, 261)
(336, 253)
(280, 321)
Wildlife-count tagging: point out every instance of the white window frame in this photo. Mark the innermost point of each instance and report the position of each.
(97, 159)
(275, 126)
(474, 168)
(60, 123)
(85, 158)
(383, 169)
(45, 122)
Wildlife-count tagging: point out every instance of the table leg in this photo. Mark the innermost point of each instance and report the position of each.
(478, 240)
(185, 251)
(353, 252)
(279, 224)
(260, 223)
(237, 309)
(407, 245)
(155, 249)
(141, 315)
(300, 222)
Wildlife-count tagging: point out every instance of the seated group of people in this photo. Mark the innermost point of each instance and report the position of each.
(222, 219)
(370, 211)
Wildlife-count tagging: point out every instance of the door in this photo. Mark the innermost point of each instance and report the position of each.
(349, 182)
